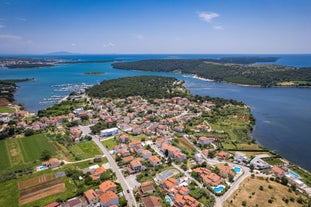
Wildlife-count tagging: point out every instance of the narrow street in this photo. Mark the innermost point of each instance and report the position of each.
(115, 168)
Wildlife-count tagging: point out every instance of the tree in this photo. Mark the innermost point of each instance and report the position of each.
(45, 155)
(29, 132)
(251, 167)
(284, 181)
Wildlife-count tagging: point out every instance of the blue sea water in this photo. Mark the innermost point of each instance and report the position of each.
(283, 115)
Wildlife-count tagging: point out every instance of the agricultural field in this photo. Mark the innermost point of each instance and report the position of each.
(262, 192)
(33, 146)
(16, 151)
(5, 162)
(84, 150)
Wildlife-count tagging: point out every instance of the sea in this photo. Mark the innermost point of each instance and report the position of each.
(283, 115)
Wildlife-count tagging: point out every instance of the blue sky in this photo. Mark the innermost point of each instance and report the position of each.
(155, 26)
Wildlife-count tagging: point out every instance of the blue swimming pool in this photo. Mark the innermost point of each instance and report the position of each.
(42, 167)
(219, 188)
(169, 200)
(237, 169)
(295, 175)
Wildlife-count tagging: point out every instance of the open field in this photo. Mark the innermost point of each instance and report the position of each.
(271, 194)
(33, 146)
(4, 156)
(110, 143)
(16, 151)
(84, 150)
(39, 187)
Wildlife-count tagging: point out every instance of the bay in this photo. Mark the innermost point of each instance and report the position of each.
(283, 115)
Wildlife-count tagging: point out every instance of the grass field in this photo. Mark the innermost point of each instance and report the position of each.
(4, 156)
(250, 194)
(16, 151)
(33, 146)
(84, 150)
(4, 109)
(110, 143)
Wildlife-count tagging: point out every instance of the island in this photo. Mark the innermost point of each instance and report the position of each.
(94, 73)
(138, 140)
(231, 70)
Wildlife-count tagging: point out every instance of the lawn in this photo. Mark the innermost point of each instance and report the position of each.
(84, 150)
(251, 195)
(33, 146)
(4, 156)
(138, 138)
(110, 143)
(4, 109)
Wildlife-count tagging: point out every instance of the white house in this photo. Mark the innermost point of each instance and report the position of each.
(259, 163)
(109, 132)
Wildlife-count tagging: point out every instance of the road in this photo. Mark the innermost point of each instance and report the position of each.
(115, 168)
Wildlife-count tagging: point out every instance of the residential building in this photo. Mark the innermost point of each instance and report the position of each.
(206, 140)
(108, 185)
(151, 201)
(154, 160)
(146, 154)
(279, 172)
(108, 199)
(259, 163)
(208, 177)
(91, 197)
(136, 165)
(109, 132)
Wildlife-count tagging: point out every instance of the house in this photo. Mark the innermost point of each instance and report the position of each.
(240, 157)
(124, 138)
(124, 153)
(151, 201)
(109, 132)
(223, 155)
(168, 184)
(120, 147)
(91, 197)
(173, 152)
(78, 110)
(108, 185)
(146, 154)
(127, 159)
(161, 141)
(279, 172)
(109, 198)
(146, 188)
(198, 158)
(205, 140)
(208, 177)
(97, 172)
(185, 201)
(75, 202)
(136, 165)
(54, 204)
(52, 163)
(75, 133)
(154, 161)
(180, 128)
(225, 171)
(259, 163)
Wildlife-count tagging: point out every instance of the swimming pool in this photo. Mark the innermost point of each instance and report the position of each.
(169, 200)
(237, 169)
(42, 167)
(219, 188)
(295, 175)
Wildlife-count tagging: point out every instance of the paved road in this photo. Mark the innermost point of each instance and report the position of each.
(129, 196)
(115, 168)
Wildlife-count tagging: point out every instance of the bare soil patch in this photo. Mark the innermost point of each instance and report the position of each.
(39, 187)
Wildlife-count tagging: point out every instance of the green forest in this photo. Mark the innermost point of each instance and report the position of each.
(145, 86)
(222, 71)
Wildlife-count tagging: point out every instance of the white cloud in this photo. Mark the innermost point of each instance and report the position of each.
(208, 16)
(10, 37)
(2, 26)
(109, 44)
(73, 44)
(218, 27)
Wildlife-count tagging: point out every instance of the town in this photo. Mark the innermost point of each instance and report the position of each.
(150, 152)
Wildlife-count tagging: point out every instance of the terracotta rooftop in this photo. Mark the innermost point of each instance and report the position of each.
(108, 196)
(107, 185)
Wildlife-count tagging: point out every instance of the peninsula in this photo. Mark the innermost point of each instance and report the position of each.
(134, 140)
(237, 70)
